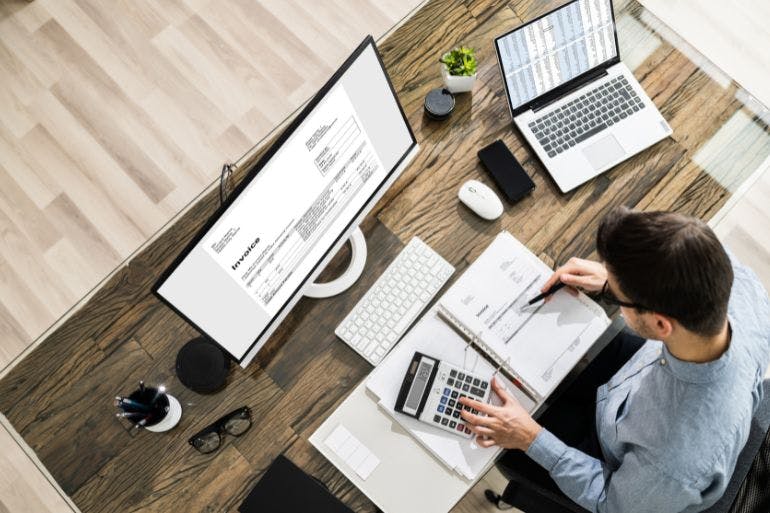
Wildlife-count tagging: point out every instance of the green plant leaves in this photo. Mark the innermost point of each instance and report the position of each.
(460, 61)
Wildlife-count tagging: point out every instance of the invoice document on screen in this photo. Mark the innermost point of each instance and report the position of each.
(275, 232)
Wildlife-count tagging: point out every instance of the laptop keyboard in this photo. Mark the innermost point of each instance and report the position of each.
(586, 116)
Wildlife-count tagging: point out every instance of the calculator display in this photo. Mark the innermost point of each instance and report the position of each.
(418, 385)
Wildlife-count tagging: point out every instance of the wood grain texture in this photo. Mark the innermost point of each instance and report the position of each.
(58, 398)
(115, 115)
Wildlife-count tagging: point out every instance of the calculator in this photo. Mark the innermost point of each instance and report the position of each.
(431, 391)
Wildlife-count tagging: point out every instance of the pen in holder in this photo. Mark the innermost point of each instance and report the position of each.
(150, 408)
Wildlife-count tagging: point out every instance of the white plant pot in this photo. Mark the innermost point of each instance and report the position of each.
(457, 83)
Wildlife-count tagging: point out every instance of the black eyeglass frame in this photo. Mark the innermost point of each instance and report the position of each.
(607, 296)
(218, 427)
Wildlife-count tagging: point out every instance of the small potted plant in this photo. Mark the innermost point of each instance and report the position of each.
(458, 67)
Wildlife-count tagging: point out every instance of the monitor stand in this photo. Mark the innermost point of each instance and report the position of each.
(351, 274)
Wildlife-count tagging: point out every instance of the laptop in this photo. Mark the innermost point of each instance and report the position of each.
(577, 105)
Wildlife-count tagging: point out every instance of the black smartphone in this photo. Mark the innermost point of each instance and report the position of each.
(506, 171)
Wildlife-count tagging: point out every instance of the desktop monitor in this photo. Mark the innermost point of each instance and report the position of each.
(259, 254)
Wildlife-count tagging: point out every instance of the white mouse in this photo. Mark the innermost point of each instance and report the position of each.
(481, 199)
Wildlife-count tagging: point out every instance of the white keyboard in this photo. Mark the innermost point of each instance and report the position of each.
(395, 300)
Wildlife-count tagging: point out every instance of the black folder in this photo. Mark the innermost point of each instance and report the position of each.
(286, 489)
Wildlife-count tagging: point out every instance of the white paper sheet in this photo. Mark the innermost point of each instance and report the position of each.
(355, 454)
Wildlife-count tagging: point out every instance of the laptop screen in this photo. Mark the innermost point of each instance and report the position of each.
(552, 50)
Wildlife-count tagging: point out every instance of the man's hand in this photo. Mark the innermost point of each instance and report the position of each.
(586, 275)
(509, 425)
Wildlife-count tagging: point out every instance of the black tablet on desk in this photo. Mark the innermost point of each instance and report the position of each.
(285, 488)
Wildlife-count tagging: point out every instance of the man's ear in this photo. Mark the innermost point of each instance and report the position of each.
(662, 325)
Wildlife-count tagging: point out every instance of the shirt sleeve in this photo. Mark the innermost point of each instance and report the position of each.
(636, 486)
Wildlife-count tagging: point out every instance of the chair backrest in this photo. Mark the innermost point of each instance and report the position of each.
(747, 491)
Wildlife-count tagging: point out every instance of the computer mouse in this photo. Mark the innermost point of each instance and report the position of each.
(481, 199)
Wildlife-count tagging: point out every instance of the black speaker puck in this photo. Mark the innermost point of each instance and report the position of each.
(439, 104)
(202, 366)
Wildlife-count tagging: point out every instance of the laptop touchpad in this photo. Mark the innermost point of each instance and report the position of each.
(604, 151)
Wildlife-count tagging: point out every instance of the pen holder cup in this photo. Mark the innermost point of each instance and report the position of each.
(165, 412)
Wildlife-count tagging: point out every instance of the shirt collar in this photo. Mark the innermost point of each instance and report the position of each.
(699, 372)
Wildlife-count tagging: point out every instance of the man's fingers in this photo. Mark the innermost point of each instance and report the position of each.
(485, 442)
(577, 280)
(476, 405)
(500, 390)
(478, 420)
(553, 280)
(481, 430)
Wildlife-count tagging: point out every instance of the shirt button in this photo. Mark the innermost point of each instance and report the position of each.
(663, 361)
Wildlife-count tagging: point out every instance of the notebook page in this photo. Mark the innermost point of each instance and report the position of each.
(539, 343)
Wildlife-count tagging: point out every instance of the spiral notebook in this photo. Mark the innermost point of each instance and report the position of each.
(536, 346)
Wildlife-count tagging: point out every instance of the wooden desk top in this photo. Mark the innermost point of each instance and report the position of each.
(59, 397)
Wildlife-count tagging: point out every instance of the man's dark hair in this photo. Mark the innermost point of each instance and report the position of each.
(671, 263)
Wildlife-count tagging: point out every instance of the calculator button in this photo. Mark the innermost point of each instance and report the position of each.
(437, 418)
(468, 379)
(448, 411)
(461, 376)
(463, 395)
(467, 431)
(444, 421)
(455, 414)
(440, 409)
(454, 394)
(460, 427)
(467, 408)
(477, 391)
(484, 385)
(476, 382)
(452, 424)
(453, 373)
(443, 400)
(475, 412)
(450, 382)
(451, 403)
(466, 388)
(458, 384)
(446, 391)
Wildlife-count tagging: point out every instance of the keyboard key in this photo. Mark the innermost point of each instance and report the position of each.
(591, 132)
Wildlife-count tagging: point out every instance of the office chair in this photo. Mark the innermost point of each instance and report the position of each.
(747, 491)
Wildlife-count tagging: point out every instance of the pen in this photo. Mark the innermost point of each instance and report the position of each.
(547, 293)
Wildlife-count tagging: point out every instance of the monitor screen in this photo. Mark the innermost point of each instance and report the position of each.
(552, 50)
(241, 273)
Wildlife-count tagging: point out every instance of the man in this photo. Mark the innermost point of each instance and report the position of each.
(663, 430)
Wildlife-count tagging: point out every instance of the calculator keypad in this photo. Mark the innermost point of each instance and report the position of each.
(452, 386)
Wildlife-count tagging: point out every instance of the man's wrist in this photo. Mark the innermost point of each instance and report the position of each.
(532, 430)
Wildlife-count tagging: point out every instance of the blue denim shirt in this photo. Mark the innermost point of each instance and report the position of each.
(670, 430)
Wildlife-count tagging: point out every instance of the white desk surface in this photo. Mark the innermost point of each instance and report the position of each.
(408, 477)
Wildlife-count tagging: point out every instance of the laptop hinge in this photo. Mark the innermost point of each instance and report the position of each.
(589, 77)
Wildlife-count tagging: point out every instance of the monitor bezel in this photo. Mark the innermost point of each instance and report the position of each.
(566, 87)
(254, 171)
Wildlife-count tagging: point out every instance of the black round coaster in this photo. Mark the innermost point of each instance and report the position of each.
(439, 104)
(202, 366)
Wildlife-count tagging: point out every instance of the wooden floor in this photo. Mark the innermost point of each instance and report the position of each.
(69, 65)
(114, 115)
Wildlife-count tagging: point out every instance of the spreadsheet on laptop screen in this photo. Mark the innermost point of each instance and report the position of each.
(556, 48)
